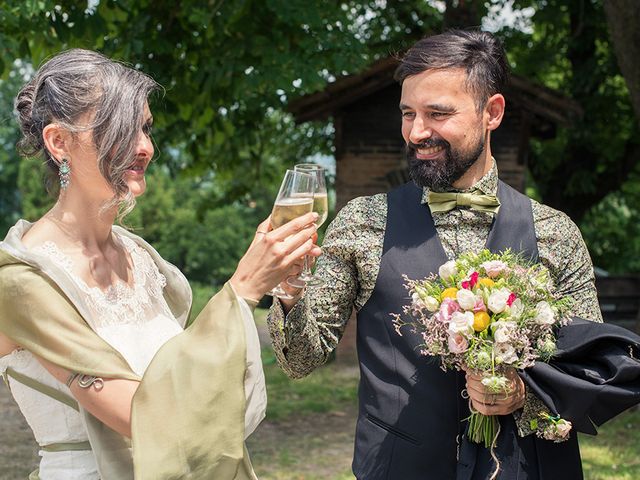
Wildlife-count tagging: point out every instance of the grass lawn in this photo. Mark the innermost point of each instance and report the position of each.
(613, 453)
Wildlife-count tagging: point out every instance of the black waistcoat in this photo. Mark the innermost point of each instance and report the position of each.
(410, 411)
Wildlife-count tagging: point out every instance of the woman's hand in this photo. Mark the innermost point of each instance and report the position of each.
(275, 255)
(488, 403)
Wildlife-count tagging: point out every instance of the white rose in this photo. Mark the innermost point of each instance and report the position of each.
(544, 314)
(503, 331)
(461, 323)
(498, 300)
(448, 270)
(466, 299)
(516, 308)
(505, 353)
(432, 304)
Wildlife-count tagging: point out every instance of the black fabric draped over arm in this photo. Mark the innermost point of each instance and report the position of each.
(593, 376)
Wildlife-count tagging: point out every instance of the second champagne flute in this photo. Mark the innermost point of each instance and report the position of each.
(294, 199)
(321, 207)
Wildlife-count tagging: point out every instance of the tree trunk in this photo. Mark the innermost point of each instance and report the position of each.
(584, 177)
(623, 19)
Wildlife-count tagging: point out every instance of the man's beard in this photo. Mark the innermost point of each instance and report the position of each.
(442, 173)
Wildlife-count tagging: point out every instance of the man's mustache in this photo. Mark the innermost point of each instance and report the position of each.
(431, 142)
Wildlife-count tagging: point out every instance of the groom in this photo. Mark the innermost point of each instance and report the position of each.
(410, 424)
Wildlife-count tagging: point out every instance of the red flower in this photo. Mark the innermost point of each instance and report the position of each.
(472, 282)
(511, 299)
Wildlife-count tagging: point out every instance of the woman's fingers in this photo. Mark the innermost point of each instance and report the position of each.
(302, 250)
(262, 230)
(275, 255)
(264, 227)
(294, 226)
(295, 241)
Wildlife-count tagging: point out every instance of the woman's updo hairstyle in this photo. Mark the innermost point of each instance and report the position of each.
(78, 82)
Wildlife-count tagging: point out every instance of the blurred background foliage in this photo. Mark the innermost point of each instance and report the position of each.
(229, 68)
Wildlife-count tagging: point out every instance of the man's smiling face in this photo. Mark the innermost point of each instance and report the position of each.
(442, 128)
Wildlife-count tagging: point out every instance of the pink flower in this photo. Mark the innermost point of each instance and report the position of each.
(494, 268)
(458, 344)
(479, 306)
(563, 427)
(447, 308)
(511, 299)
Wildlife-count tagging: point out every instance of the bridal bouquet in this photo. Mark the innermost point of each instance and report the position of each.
(486, 312)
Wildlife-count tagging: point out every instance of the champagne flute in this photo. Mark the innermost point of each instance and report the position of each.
(321, 207)
(295, 198)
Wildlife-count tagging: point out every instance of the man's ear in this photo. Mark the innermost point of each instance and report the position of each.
(56, 141)
(494, 111)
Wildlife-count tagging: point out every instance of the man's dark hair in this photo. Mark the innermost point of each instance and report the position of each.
(480, 54)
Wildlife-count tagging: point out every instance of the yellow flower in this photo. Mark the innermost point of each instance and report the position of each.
(486, 282)
(481, 321)
(449, 293)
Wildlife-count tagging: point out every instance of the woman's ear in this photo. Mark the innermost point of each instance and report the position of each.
(494, 111)
(56, 141)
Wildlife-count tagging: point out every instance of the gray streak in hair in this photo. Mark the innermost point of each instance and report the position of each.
(78, 82)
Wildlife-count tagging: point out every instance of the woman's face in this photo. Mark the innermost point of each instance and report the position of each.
(85, 172)
(134, 175)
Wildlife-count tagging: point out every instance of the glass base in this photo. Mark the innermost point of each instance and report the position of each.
(280, 293)
(305, 281)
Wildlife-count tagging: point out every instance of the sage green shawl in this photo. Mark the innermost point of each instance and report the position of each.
(187, 419)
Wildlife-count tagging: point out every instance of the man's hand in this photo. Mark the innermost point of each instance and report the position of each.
(489, 403)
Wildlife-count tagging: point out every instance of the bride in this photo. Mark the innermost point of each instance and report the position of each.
(92, 338)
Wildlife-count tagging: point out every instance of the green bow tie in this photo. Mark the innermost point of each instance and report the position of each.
(446, 201)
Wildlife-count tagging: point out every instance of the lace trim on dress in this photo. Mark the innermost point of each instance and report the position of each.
(120, 303)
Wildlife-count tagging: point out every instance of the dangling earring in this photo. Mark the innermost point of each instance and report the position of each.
(64, 172)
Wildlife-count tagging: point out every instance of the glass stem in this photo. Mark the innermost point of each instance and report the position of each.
(306, 269)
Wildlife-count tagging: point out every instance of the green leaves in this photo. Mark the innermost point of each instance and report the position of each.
(243, 57)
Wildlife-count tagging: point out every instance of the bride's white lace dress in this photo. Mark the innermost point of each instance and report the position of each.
(134, 319)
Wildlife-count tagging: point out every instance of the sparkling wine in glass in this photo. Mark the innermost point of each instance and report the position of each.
(295, 198)
(321, 207)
